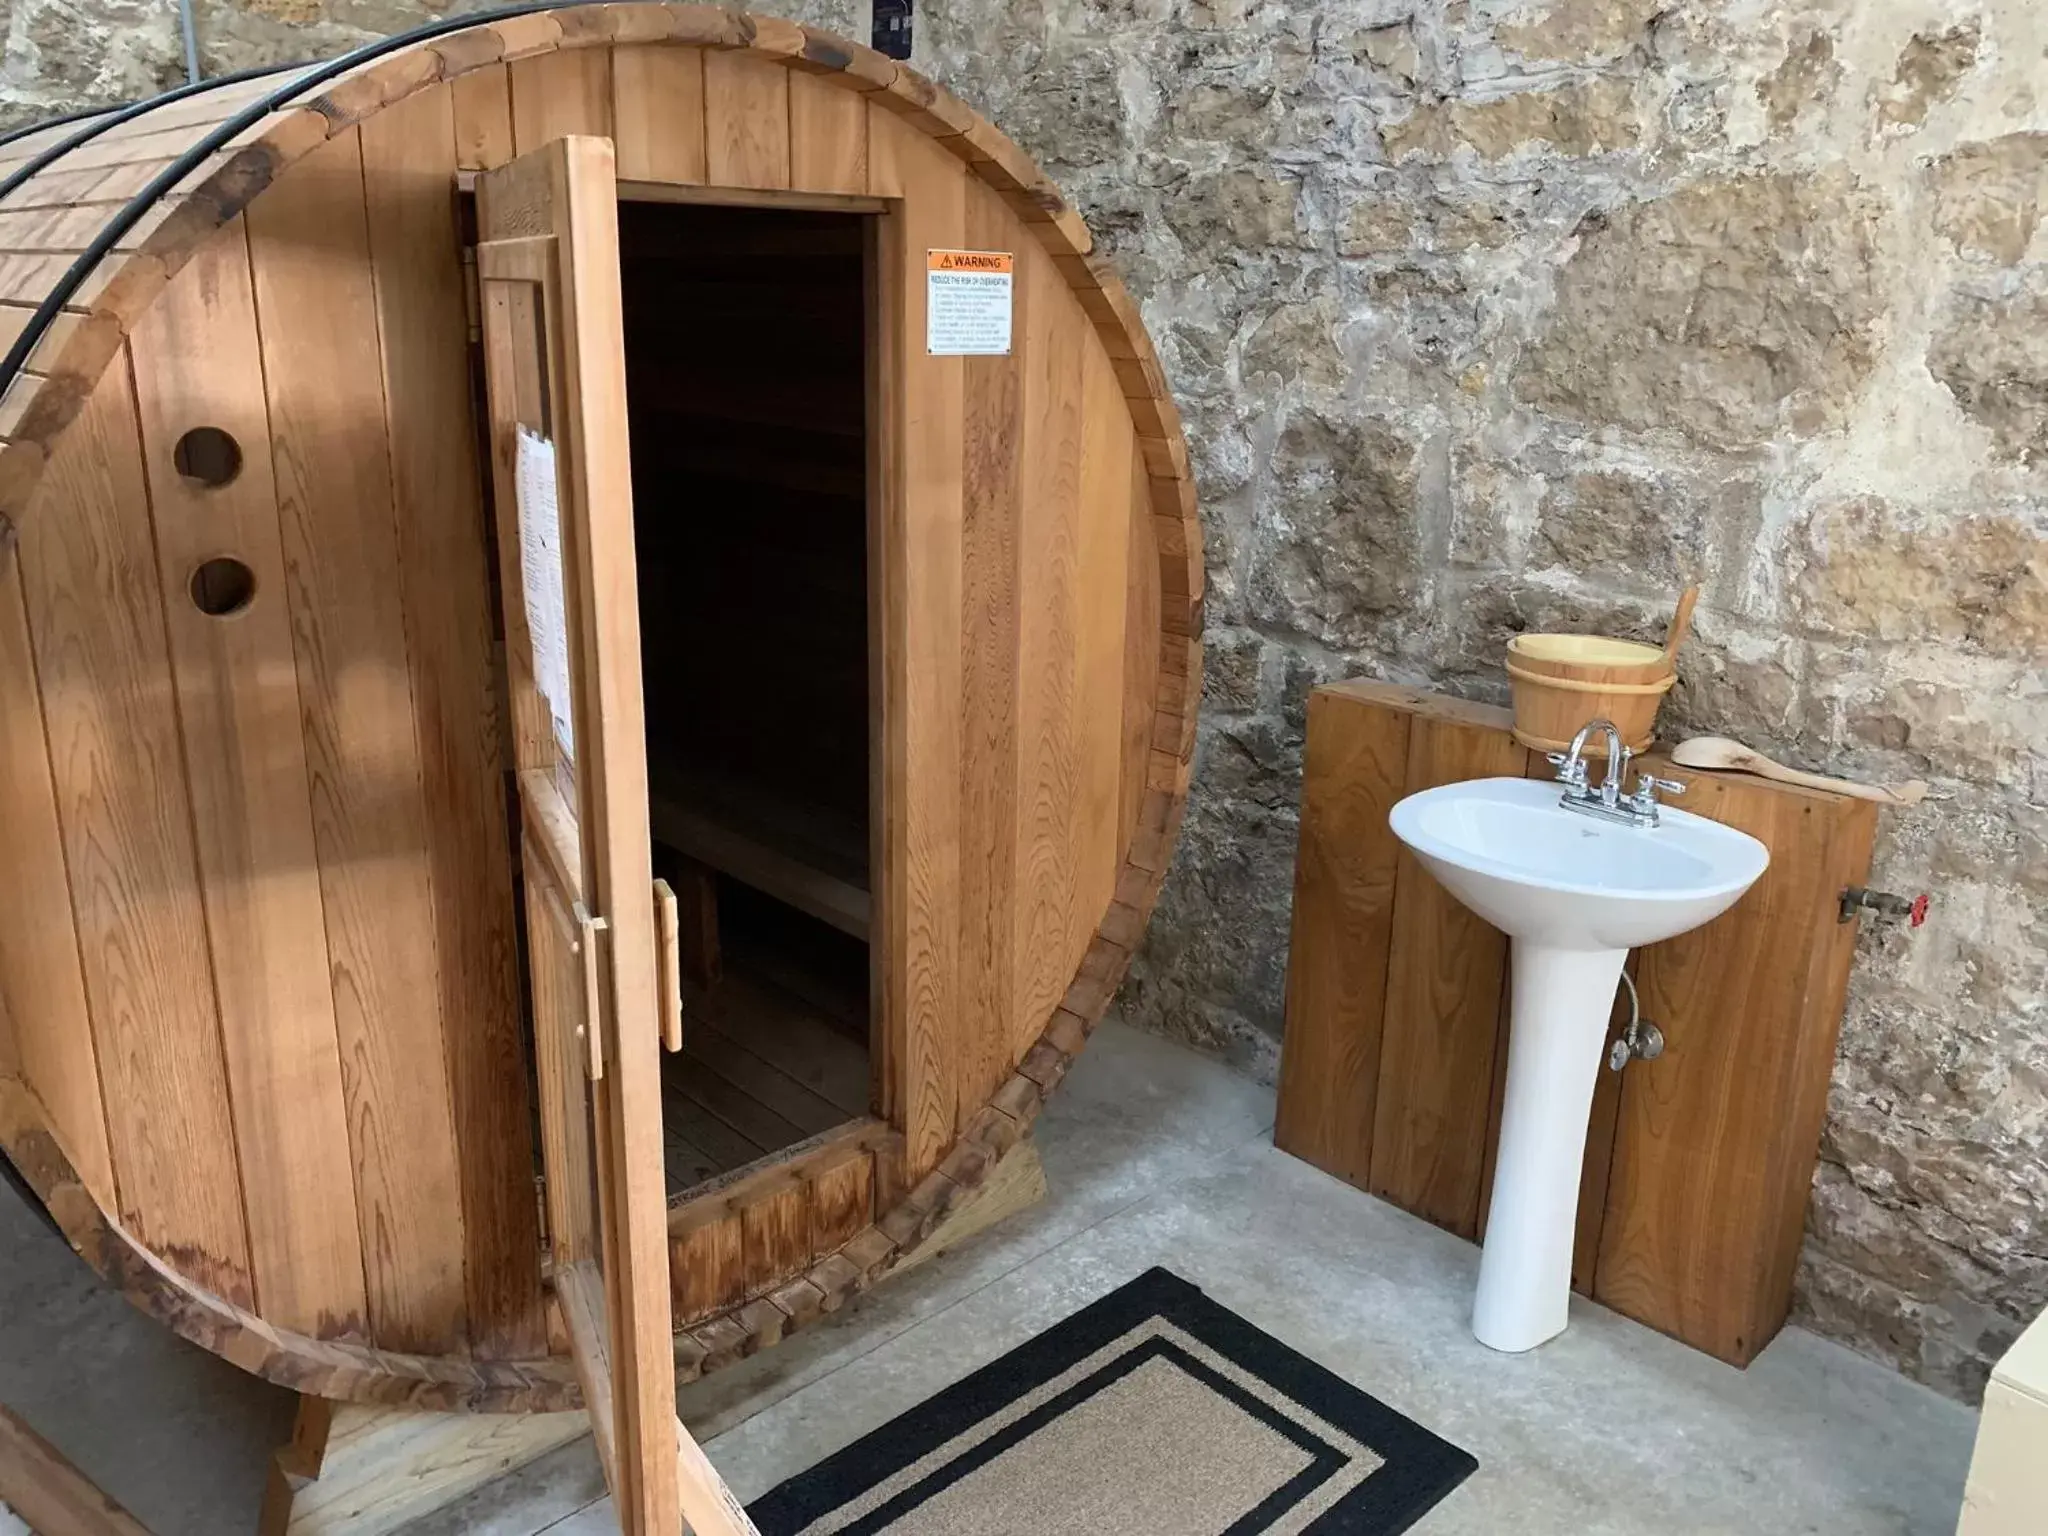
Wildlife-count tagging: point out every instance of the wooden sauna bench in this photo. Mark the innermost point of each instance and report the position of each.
(774, 1049)
(776, 1016)
(804, 855)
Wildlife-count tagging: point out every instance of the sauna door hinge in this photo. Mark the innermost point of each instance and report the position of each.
(547, 1238)
(472, 296)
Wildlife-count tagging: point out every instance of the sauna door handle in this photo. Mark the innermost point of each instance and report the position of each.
(668, 951)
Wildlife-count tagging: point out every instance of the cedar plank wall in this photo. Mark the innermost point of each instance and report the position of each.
(340, 739)
(96, 624)
(991, 640)
(918, 874)
(291, 883)
(1698, 1164)
(197, 356)
(45, 1032)
(409, 153)
(1022, 688)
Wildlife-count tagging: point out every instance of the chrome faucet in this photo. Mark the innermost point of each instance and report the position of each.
(1609, 804)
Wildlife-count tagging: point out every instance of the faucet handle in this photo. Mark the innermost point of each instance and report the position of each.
(1571, 770)
(1644, 799)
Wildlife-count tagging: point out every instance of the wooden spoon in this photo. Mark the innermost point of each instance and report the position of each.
(1681, 622)
(1721, 752)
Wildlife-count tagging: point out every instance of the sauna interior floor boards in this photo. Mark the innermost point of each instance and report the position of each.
(762, 1068)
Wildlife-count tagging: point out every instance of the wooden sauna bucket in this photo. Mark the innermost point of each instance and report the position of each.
(259, 829)
(1562, 681)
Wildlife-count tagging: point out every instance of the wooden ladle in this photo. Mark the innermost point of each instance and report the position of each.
(1681, 621)
(1722, 752)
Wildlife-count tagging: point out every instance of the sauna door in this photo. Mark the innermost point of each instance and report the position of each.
(548, 279)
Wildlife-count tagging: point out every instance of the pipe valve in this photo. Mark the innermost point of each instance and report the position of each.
(1857, 898)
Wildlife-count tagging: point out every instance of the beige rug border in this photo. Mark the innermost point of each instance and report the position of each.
(1361, 1460)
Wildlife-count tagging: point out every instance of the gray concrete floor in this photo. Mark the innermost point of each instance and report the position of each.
(178, 1435)
(1154, 1156)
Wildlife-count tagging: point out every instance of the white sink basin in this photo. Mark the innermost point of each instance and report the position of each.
(1512, 853)
(1575, 893)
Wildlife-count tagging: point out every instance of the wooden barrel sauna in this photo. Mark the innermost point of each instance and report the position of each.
(881, 657)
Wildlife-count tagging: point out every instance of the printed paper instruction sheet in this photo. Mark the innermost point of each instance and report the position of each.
(541, 573)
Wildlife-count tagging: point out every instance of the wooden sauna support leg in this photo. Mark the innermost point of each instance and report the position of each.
(39, 1485)
(1015, 1184)
(353, 1470)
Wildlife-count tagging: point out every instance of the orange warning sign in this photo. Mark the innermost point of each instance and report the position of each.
(970, 261)
(967, 302)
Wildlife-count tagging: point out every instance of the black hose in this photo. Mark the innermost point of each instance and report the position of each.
(114, 117)
(171, 175)
(58, 121)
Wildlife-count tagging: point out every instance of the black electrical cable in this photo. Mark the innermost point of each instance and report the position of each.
(171, 175)
(114, 117)
(25, 129)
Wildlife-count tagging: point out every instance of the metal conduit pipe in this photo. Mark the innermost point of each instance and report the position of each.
(189, 29)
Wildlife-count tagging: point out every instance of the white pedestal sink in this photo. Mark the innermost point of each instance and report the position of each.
(1575, 894)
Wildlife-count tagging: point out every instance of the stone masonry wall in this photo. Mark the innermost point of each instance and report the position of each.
(1494, 314)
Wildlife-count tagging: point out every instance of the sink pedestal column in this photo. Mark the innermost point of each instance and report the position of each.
(1562, 1002)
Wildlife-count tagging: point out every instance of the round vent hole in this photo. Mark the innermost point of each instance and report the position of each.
(223, 586)
(208, 455)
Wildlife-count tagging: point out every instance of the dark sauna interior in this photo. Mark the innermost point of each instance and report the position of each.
(746, 380)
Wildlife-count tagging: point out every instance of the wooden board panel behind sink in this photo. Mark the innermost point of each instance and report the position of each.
(1699, 1163)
